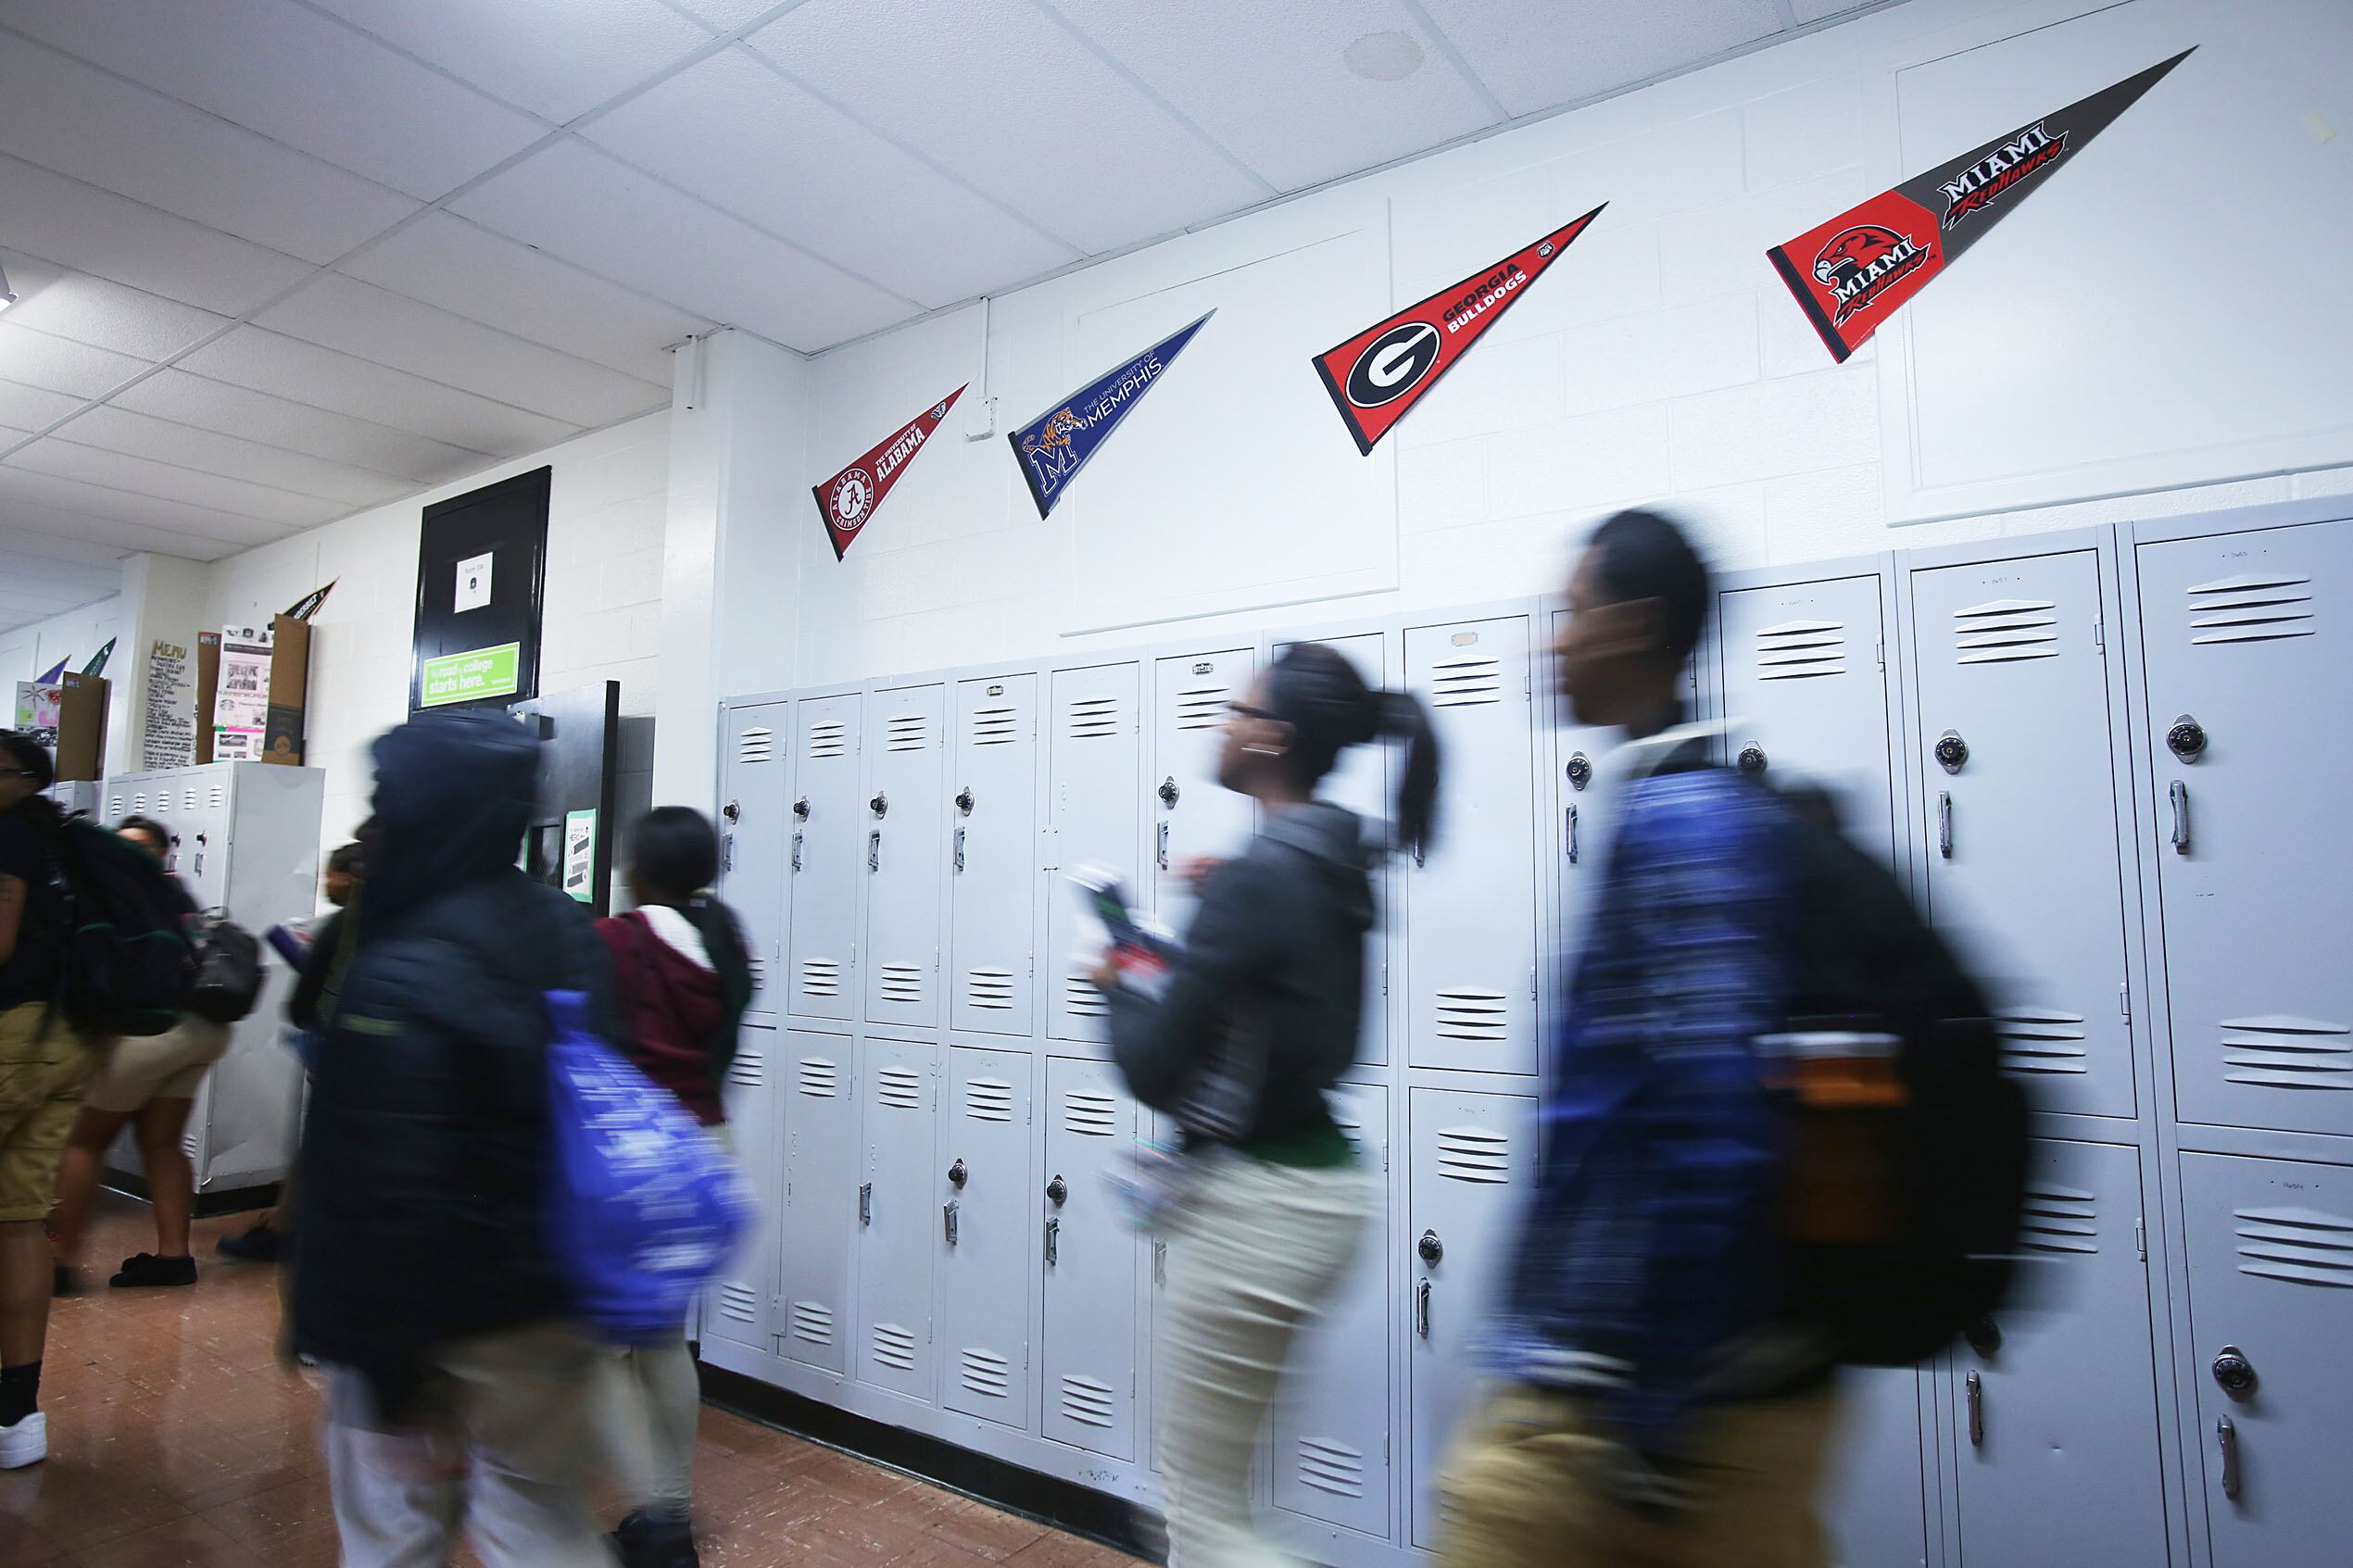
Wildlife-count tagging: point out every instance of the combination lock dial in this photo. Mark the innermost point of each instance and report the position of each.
(1430, 1248)
(1751, 760)
(2232, 1371)
(1057, 1190)
(2186, 739)
(1951, 751)
(957, 1174)
(1580, 770)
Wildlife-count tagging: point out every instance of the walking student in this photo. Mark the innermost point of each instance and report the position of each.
(1258, 1020)
(682, 979)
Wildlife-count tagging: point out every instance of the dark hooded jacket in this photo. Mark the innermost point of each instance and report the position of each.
(424, 1159)
(1272, 971)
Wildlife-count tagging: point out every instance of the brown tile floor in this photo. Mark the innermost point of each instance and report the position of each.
(176, 1442)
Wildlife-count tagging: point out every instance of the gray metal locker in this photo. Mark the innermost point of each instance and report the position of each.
(817, 1223)
(2054, 1415)
(1331, 1442)
(897, 1084)
(1470, 911)
(1580, 793)
(753, 824)
(906, 843)
(984, 1192)
(1874, 1500)
(2270, 1275)
(1360, 781)
(738, 1307)
(826, 860)
(1801, 667)
(1089, 1348)
(1192, 814)
(1095, 792)
(2023, 871)
(2247, 701)
(992, 858)
(1472, 1157)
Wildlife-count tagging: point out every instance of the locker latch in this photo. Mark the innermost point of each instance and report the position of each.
(874, 850)
(1053, 1241)
(1571, 829)
(947, 1220)
(1976, 1409)
(866, 1203)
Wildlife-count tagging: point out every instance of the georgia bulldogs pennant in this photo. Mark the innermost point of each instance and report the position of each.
(1383, 371)
(848, 500)
(1851, 273)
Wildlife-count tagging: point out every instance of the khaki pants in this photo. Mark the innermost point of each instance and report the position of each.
(1520, 1488)
(44, 1074)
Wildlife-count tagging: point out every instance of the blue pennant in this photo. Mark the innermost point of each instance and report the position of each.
(1054, 447)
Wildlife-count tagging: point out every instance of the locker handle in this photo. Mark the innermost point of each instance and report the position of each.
(1572, 834)
(2226, 1437)
(1163, 846)
(727, 856)
(1421, 1309)
(874, 850)
(947, 1220)
(1944, 822)
(2179, 794)
(1160, 1262)
(1054, 1242)
(866, 1203)
(959, 851)
(795, 851)
(1976, 1409)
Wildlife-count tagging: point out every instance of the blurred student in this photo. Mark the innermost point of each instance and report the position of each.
(45, 1068)
(1259, 1018)
(682, 979)
(149, 1085)
(1652, 1409)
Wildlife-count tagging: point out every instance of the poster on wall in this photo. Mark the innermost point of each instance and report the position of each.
(849, 499)
(241, 702)
(39, 708)
(1054, 447)
(169, 737)
(1850, 274)
(482, 560)
(1377, 376)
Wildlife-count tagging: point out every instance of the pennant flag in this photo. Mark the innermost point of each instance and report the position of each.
(307, 605)
(1383, 371)
(98, 665)
(1053, 447)
(1851, 273)
(56, 672)
(848, 500)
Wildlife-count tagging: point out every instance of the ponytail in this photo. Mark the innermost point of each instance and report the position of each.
(1403, 716)
(1315, 690)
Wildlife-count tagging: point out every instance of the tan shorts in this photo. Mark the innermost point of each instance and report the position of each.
(43, 1076)
(166, 1066)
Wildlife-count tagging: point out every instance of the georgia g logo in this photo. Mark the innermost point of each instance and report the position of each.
(850, 499)
(1393, 364)
(1861, 263)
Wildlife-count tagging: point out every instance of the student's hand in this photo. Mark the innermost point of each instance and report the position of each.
(1104, 976)
(1194, 870)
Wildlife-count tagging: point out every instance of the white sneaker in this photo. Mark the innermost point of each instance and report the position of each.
(25, 1443)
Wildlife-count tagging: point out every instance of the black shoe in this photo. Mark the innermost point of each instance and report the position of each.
(260, 1245)
(67, 1281)
(654, 1540)
(147, 1269)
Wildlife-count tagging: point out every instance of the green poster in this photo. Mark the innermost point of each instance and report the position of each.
(462, 677)
(580, 854)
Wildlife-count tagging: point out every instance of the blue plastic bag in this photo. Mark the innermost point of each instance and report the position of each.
(643, 1207)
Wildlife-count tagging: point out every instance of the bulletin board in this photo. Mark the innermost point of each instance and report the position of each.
(482, 560)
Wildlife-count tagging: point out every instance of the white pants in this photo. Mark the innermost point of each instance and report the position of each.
(1252, 1253)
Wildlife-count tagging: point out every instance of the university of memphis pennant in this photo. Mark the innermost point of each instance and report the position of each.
(848, 500)
(1851, 273)
(1383, 371)
(1054, 447)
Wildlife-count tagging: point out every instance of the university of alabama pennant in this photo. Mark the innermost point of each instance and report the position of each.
(1054, 447)
(1851, 273)
(1383, 371)
(848, 500)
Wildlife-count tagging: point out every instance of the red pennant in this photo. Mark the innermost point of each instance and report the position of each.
(1383, 371)
(851, 497)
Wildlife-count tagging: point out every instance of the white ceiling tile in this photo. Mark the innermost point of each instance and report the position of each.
(76, 510)
(1815, 10)
(61, 113)
(284, 70)
(46, 567)
(100, 312)
(305, 373)
(32, 408)
(466, 269)
(728, 15)
(372, 323)
(994, 91)
(556, 59)
(43, 598)
(81, 226)
(258, 506)
(80, 555)
(58, 364)
(190, 399)
(735, 134)
(579, 204)
(141, 435)
(1536, 54)
(1282, 97)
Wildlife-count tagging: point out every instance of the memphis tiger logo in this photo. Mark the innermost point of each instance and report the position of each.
(1862, 263)
(2003, 169)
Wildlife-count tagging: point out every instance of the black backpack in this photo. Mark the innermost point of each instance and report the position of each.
(228, 971)
(127, 958)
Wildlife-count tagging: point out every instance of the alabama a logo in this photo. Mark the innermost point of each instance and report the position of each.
(847, 502)
(851, 499)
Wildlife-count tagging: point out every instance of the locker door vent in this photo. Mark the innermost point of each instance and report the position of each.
(2059, 1219)
(1203, 708)
(756, 744)
(138, 802)
(2042, 1041)
(1473, 1016)
(1350, 1128)
(986, 1374)
(220, 795)
(1332, 1467)
(994, 726)
(114, 805)
(819, 1077)
(749, 1070)
(1798, 650)
(738, 1301)
(903, 732)
(812, 1322)
(1092, 717)
(1080, 999)
(759, 975)
(188, 1145)
(828, 738)
(2005, 631)
(901, 1088)
(1089, 1115)
(821, 977)
(894, 1346)
(2280, 1052)
(1474, 1154)
(188, 797)
(1088, 1403)
(989, 1099)
(901, 983)
(1470, 681)
(989, 989)
(2302, 1246)
(2257, 608)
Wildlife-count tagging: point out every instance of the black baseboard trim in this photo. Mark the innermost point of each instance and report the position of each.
(1063, 1504)
(209, 1205)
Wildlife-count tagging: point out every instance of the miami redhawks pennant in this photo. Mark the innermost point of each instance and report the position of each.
(848, 500)
(1851, 273)
(1383, 371)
